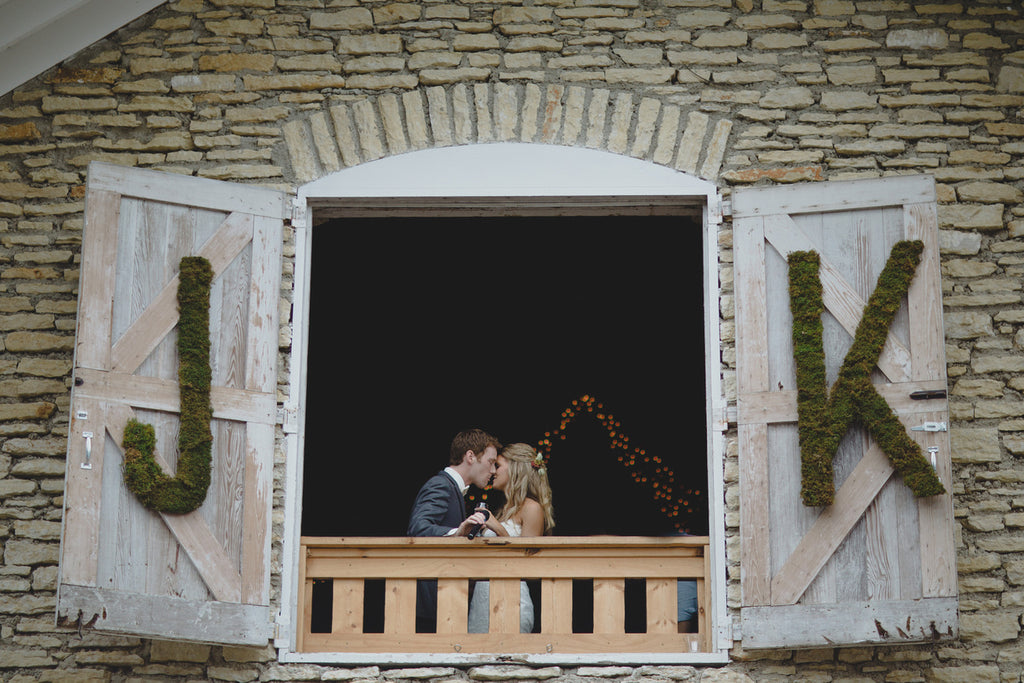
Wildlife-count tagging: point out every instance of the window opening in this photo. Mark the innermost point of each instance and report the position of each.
(420, 327)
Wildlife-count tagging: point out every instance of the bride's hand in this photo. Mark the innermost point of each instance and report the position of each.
(495, 526)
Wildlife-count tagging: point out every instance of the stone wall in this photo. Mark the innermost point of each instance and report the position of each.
(279, 92)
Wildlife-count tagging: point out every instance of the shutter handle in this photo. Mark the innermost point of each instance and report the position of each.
(87, 465)
(928, 393)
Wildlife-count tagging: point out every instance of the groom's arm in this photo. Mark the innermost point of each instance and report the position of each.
(429, 512)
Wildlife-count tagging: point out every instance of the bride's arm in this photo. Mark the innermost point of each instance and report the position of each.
(495, 526)
(532, 518)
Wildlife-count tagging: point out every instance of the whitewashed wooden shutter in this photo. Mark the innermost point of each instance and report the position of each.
(203, 576)
(877, 566)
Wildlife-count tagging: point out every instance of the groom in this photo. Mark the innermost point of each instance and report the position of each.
(440, 506)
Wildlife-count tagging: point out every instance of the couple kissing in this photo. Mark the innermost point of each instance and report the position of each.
(517, 470)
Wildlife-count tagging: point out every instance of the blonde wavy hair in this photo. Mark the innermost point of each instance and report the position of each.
(526, 481)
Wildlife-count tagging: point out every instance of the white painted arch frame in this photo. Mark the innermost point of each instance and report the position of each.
(509, 178)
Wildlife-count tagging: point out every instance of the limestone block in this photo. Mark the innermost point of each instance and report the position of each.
(640, 76)
(177, 651)
(369, 44)
(983, 41)
(983, 562)
(473, 42)
(995, 628)
(978, 387)
(397, 12)
(430, 60)
(724, 676)
(719, 39)
(975, 445)
(364, 673)
(989, 193)
(778, 41)
(447, 76)
(702, 57)
(851, 75)
(967, 216)
(612, 24)
(909, 75)
(510, 672)
(533, 44)
(30, 553)
(522, 15)
(917, 39)
(639, 56)
(787, 98)
(744, 77)
(147, 65)
(671, 36)
(766, 22)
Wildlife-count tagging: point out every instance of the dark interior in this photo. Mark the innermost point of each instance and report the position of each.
(422, 327)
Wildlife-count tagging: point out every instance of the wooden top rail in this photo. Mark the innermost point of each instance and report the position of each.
(553, 560)
(523, 558)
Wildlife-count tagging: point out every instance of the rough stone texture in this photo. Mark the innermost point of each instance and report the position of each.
(282, 92)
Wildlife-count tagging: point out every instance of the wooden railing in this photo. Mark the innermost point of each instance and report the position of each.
(621, 577)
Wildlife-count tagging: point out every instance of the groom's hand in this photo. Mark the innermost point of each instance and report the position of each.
(470, 523)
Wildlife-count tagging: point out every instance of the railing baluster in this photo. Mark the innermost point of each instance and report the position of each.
(703, 602)
(556, 606)
(609, 606)
(347, 610)
(662, 611)
(452, 605)
(504, 606)
(400, 606)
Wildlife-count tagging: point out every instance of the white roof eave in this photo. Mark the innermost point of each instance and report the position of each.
(36, 35)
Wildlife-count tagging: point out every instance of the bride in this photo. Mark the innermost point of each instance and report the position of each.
(523, 478)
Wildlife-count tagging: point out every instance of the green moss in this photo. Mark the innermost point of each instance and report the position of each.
(823, 418)
(186, 491)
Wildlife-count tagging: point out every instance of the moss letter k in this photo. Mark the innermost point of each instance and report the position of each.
(825, 418)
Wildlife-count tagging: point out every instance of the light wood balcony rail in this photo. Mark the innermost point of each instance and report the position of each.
(552, 564)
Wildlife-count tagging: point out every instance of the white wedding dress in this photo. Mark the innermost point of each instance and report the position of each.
(479, 605)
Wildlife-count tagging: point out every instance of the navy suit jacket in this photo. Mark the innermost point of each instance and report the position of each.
(439, 507)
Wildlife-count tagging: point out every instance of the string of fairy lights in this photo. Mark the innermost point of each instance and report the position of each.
(648, 470)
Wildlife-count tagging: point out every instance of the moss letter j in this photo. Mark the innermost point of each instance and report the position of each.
(823, 418)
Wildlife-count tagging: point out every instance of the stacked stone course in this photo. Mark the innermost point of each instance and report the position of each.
(281, 92)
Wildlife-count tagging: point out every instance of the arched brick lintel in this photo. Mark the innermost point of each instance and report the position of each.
(345, 134)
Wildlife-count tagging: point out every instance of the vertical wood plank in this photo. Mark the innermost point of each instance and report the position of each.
(347, 606)
(938, 550)
(92, 340)
(704, 589)
(261, 364)
(609, 606)
(556, 606)
(662, 607)
(258, 493)
(752, 378)
(755, 569)
(452, 605)
(504, 610)
(83, 496)
(400, 606)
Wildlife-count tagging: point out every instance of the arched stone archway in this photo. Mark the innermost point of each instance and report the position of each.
(341, 135)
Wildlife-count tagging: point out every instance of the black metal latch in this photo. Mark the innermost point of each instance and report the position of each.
(927, 394)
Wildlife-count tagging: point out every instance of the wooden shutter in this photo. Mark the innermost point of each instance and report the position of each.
(877, 566)
(203, 576)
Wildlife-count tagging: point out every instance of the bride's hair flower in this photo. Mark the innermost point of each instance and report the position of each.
(538, 463)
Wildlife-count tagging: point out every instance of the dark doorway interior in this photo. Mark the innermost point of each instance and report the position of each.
(421, 327)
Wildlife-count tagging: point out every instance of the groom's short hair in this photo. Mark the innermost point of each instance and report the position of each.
(476, 440)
